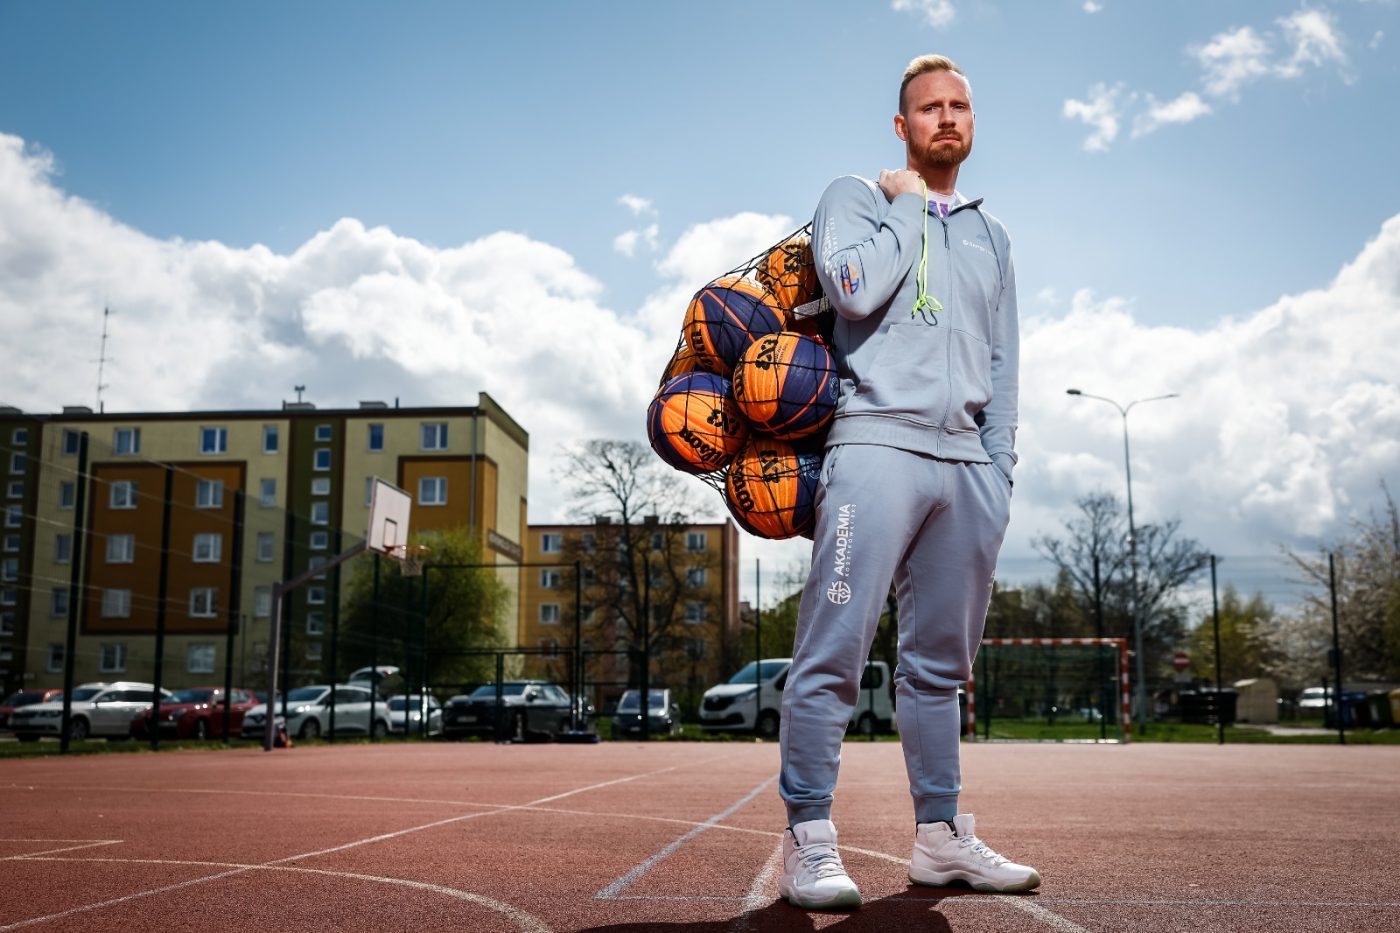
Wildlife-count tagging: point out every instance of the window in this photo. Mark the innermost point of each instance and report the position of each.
(551, 543)
(208, 548)
(695, 541)
(58, 602)
(694, 613)
(321, 486)
(586, 613)
(551, 579)
(116, 604)
(55, 659)
(213, 440)
(67, 494)
(6, 655)
(19, 437)
(7, 623)
(658, 540)
(314, 562)
(10, 544)
(550, 647)
(696, 576)
(376, 437)
(199, 659)
(266, 547)
(13, 516)
(270, 439)
(62, 549)
(549, 613)
(267, 493)
(8, 598)
(590, 577)
(113, 658)
(209, 494)
(71, 442)
(315, 622)
(123, 494)
(432, 490)
(17, 462)
(9, 569)
(262, 602)
(320, 540)
(121, 549)
(434, 435)
(590, 542)
(315, 595)
(322, 458)
(204, 602)
(320, 513)
(126, 441)
(323, 432)
(15, 490)
(369, 490)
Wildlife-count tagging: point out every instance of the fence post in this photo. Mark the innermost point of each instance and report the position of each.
(1338, 705)
(235, 606)
(1219, 695)
(75, 590)
(163, 598)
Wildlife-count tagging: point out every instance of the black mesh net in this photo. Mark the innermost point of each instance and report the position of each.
(747, 398)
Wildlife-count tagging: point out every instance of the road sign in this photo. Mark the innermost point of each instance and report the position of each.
(1181, 660)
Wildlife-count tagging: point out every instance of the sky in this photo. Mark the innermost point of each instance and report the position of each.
(427, 200)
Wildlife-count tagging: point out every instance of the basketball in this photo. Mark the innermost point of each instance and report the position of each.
(693, 423)
(725, 317)
(789, 273)
(786, 385)
(772, 486)
(682, 361)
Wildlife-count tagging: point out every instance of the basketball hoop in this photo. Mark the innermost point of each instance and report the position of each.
(411, 559)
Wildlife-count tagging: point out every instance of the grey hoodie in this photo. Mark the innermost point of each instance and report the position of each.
(942, 382)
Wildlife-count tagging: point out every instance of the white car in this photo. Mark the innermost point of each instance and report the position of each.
(309, 713)
(753, 699)
(415, 706)
(99, 709)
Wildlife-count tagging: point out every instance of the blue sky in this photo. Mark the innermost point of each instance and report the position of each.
(238, 125)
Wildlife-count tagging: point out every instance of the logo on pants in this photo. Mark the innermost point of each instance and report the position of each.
(839, 593)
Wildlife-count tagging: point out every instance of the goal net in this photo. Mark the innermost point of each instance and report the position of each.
(1050, 690)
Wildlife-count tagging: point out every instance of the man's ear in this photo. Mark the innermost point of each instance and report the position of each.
(901, 129)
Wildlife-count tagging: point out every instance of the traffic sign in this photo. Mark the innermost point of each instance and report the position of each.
(1181, 660)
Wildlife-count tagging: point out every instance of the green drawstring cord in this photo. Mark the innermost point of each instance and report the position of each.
(925, 300)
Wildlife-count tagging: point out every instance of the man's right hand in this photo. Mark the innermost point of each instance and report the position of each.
(900, 181)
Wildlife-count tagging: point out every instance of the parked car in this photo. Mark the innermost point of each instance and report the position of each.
(195, 713)
(415, 707)
(309, 713)
(529, 707)
(25, 698)
(98, 709)
(385, 677)
(753, 698)
(664, 714)
(1312, 701)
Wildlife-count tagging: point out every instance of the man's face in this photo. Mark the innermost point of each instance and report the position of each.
(937, 122)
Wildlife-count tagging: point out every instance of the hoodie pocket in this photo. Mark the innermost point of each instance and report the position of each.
(909, 375)
(970, 375)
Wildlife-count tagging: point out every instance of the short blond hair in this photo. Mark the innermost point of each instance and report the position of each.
(923, 65)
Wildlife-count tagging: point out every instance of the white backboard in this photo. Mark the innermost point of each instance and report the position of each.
(389, 508)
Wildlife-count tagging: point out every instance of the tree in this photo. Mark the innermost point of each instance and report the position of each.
(1248, 647)
(637, 559)
(465, 610)
(1093, 558)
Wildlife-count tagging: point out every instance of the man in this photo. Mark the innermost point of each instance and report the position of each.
(915, 487)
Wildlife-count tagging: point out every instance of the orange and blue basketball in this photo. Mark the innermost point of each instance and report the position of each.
(786, 385)
(693, 423)
(771, 487)
(789, 273)
(725, 317)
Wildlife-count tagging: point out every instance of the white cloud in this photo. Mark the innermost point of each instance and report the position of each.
(1233, 59)
(1376, 39)
(637, 205)
(626, 243)
(1091, 7)
(937, 13)
(1183, 109)
(1101, 111)
(1313, 35)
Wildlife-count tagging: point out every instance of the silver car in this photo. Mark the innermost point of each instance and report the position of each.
(99, 709)
(309, 713)
(415, 705)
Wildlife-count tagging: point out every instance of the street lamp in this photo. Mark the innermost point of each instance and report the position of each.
(1132, 543)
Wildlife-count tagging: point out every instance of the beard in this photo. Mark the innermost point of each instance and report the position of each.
(940, 154)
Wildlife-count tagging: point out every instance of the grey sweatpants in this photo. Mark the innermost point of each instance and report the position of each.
(934, 527)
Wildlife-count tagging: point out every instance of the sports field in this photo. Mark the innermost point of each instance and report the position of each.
(685, 836)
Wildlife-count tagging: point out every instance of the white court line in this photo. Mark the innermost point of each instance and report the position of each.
(621, 884)
(761, 891)
(526, 921)
(379, 838)
(83, 845)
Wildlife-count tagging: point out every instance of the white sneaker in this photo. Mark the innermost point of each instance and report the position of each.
(813, 876)
(942, 856)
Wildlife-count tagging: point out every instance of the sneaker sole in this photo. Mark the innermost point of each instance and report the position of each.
(935, 879)
(846, 900)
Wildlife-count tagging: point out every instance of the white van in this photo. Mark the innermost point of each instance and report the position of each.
(758, 690)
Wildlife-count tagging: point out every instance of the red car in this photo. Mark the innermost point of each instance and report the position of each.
(196, 713)
(25, 698)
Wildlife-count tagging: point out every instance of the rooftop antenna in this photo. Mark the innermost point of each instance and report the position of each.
(102, 357)
(298, 390)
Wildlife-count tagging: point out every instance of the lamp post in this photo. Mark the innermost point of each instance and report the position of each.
(1132, 544)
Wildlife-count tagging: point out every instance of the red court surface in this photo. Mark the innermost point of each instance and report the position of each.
(684, 837)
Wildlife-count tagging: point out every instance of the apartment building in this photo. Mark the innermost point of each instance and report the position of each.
(160, 499)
